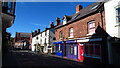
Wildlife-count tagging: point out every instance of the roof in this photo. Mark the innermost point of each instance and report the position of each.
(83, 12)
(27, 35)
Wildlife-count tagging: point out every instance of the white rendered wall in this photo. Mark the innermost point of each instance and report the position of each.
(33, 42)
(110, 17)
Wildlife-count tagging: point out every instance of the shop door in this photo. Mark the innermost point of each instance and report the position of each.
(80, 52)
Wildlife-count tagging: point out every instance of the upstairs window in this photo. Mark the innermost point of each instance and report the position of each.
(60, 34)
(45, 33)
(71, 32)
(91, 27)
(41, 34)
(118, 14)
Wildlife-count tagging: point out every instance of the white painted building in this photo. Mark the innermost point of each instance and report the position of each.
(112, 18)
(45, 39)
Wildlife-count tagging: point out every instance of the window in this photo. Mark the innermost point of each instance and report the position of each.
(60, 34)
(41, 34)
(91, 27)
(36, 38)
(71, 49)
(118, 14)
(45, 40)
(71, 32)
(45, 33)
(59, 48)
(92, 50)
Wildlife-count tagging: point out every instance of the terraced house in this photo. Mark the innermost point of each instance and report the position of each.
(82, 36)
(43, 41)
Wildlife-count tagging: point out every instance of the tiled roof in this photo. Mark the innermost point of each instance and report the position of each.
(83, 12)
(27, 35)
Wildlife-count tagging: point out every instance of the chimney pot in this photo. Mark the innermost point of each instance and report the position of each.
(51, 25)
(38, 30)
(57, 21)
(78, 8)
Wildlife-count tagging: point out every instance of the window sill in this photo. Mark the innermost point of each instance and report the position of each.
(118, 24)
(90, 34)
(92, 57)
(71, 37)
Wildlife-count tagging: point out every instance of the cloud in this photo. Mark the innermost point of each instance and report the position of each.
(39, 25)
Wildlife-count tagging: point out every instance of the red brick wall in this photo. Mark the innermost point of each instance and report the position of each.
(80, 27)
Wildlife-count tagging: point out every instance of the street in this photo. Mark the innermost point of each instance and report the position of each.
(28, 59)
(21, 59)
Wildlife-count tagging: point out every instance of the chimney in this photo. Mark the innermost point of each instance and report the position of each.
(32, 33)
(57, 21)
(35, 32)
(51, 25)
(38, 30)
(78, 8)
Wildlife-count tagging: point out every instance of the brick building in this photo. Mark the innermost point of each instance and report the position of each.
(82, 36)
(22, 40)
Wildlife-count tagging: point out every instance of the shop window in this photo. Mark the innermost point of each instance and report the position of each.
(71, 49)
(92, 50)
(59, 48)
(97, 52)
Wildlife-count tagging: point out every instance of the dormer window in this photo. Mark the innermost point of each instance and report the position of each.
(64, 20)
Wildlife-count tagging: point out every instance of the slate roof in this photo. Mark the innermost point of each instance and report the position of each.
(83, 12)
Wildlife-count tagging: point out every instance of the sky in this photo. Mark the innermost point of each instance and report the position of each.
(31, 16)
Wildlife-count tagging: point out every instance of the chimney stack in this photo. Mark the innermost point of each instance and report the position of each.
(38, 30)
(51, 24)
(78, 8)
(57, 21)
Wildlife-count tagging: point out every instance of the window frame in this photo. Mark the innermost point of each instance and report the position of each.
(117, 14)
(71, 31)
(92, 22)
(94, 50)
(60, 35)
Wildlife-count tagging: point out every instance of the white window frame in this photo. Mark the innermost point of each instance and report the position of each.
(71, 32)
(92, 23)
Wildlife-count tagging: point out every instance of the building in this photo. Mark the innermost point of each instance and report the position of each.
(112, 17)
(43, 41)
(22, 40)
(85, 34)
(7, 16)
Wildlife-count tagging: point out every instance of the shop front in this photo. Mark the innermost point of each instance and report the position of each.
(72, 49)
(59, 48)
(89, 50)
